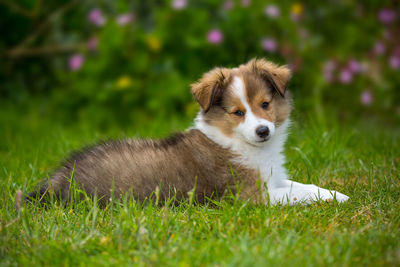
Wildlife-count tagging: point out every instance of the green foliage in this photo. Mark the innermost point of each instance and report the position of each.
(146, 64)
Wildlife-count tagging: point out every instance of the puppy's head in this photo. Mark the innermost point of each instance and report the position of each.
(247, 102)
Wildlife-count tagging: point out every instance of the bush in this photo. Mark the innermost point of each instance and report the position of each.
(114, 58)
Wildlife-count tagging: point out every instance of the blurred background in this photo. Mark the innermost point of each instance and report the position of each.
(122, 63)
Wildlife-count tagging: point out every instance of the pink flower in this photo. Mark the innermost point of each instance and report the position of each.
(387, 15)
(328, 70)
(354, 66)
(246, 3)
(215, 36)
(272, 11)
(92, 43)
(178, 4)
(124, 19)
(366, 98)
(394, 62)
(228, 5)
(96, 17)
(269, 44)
(346, 76)
(76, 62)
(379, 48)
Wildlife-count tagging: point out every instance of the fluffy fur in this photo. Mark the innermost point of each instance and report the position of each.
(236, 144)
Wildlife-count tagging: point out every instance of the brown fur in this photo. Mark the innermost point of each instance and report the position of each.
(188, 160)
(277, 76)
(263, 81)
(175, 165)
(208, 90)
(280, 104)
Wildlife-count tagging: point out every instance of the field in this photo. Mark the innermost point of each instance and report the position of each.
(359, 159)
(73, 73)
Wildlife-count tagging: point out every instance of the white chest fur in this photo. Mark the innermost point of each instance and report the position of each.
(269, 160)
(266, 159)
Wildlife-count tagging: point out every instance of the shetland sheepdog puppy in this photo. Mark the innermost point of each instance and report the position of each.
(235, 145)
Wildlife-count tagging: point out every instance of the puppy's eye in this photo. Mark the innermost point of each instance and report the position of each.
(265, 105)
(239, 113)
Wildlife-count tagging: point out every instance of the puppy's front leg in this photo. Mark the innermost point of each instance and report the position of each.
(289, 192)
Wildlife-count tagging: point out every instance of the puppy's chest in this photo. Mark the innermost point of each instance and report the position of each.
(264, 162)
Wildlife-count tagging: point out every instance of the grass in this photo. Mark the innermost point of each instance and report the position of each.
(362, 161)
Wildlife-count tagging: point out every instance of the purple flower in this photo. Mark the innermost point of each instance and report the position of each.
(328, 70)
(366, 98)
(387, 15)
(354, 66)
(272, 11)
(228, 5)
(394, 62)
(379, 48)
(124, 19)
(92, 43)
(269, 44)
(215, 36)
(346, 76)
(76, 62)
(96, 17)
(178, 4)
(246, 3)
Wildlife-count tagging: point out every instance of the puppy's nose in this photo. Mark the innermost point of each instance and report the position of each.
(262, 131)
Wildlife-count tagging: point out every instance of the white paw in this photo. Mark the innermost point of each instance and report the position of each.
(297, 193)
(328, 195)
(332, 195)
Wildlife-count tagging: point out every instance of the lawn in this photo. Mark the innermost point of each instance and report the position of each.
(361, 160)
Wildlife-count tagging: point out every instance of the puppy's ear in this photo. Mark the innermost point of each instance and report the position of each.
(276, 76)
(209, 89)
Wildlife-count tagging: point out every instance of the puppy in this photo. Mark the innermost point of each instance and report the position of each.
(236, 145)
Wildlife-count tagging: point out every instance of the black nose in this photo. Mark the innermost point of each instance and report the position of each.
(262, 131)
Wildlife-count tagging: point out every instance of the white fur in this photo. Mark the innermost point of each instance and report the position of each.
(247, 130)
(266, 157)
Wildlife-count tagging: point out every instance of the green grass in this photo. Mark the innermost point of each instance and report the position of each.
(362, 161)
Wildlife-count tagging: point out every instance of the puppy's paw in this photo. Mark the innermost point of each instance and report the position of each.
(334, 195)
(297, 193)
(317, 193)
